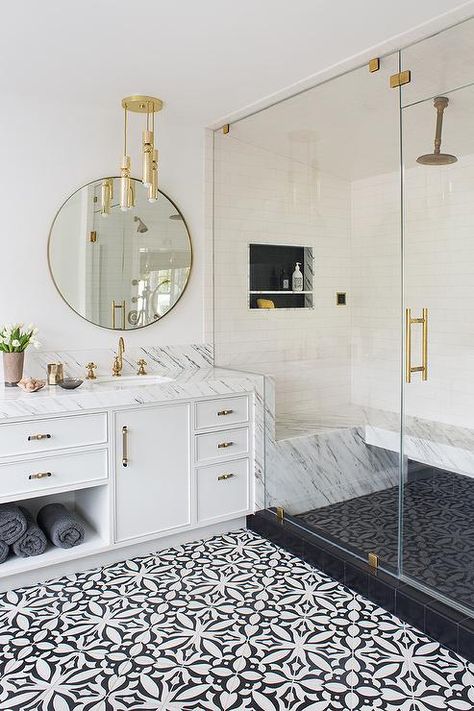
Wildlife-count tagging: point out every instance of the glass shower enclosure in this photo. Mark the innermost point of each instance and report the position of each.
(366, 180)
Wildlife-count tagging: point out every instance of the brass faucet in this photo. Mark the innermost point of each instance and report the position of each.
(118, 360)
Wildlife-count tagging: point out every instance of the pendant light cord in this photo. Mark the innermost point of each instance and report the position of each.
(125, 132)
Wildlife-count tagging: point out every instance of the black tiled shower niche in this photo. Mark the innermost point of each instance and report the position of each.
(271, 267)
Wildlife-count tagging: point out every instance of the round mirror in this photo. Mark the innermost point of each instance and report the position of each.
(119, 270)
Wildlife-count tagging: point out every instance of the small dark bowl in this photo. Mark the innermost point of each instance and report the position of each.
(70, 383)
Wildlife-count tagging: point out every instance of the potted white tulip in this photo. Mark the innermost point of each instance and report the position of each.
(14, 340)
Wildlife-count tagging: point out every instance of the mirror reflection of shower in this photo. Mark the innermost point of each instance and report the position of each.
(437, 158)
(141, 227)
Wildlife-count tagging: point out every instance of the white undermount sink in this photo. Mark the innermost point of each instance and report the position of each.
(130, 381)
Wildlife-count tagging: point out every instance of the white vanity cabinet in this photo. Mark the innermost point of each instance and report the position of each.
(152, 470)
(140, 476)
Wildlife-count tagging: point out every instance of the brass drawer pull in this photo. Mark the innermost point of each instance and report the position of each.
(39, 475)
(38, 437)
(224, 412)
(125, 446)
(224, 445)
(224, 477)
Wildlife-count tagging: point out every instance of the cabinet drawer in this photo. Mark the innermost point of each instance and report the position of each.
(55, 433)
(215, 413)
(223, 490)
(224, 443)
(54, 471)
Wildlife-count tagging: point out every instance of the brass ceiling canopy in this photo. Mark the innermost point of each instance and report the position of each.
(141, 104)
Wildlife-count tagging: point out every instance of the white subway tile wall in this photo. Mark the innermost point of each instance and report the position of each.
(333, 360)
(376, 304)
(263, 197)
(439, 275)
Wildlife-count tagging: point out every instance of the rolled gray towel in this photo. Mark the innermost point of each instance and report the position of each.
(61, 526)
(4, 551)
(12, 523)
(33, 541)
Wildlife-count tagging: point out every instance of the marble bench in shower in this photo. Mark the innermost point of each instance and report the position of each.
(435, 444)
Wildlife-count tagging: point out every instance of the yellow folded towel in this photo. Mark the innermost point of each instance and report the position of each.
(265, 304)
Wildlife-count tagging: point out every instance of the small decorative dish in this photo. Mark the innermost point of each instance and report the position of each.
(70, 383)
(31, 385)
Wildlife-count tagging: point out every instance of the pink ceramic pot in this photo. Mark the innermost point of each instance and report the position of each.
(12, 368)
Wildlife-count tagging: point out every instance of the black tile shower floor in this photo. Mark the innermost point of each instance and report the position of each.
(437, 532)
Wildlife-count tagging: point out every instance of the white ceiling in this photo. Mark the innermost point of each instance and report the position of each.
(205, 58)
(349, 126)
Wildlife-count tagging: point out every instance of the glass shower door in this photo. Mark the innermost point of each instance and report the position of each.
(322, 169)
(438, 493)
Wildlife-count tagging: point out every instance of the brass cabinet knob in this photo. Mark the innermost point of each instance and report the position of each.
(224, 412)
(38, 437)
(224, 445)
(90, 371)
(224, 477)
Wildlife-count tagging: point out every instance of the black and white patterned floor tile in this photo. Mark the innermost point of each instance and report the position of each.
(230, 623)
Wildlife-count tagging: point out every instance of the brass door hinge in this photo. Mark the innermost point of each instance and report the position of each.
(374, 65)
(93, 236)
(280, 512)
(400, 79)
(225, 128)
(373, 560)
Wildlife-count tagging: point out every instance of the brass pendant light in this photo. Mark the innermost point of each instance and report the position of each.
(148, 105)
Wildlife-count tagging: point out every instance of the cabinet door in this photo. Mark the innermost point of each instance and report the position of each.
(153, 484)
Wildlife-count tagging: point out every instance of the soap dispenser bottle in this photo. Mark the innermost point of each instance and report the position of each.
(297, 279)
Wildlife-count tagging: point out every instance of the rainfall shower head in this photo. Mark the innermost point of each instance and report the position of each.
(438, 158)
(141, 225)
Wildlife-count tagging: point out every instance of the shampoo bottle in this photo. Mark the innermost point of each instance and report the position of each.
(284, 280)
(297, 279)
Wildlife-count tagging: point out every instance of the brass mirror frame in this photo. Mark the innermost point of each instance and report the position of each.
(109, 328)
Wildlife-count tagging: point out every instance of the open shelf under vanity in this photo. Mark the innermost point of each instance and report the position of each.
(91, 507)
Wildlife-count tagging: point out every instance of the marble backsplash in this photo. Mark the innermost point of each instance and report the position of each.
(158, 358)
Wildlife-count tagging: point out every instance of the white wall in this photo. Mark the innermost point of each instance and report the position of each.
(47, 152)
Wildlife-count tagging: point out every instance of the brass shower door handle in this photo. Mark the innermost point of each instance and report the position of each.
(125, 446)
(423, 368)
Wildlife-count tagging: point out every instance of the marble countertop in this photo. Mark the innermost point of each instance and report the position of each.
(93, 395)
